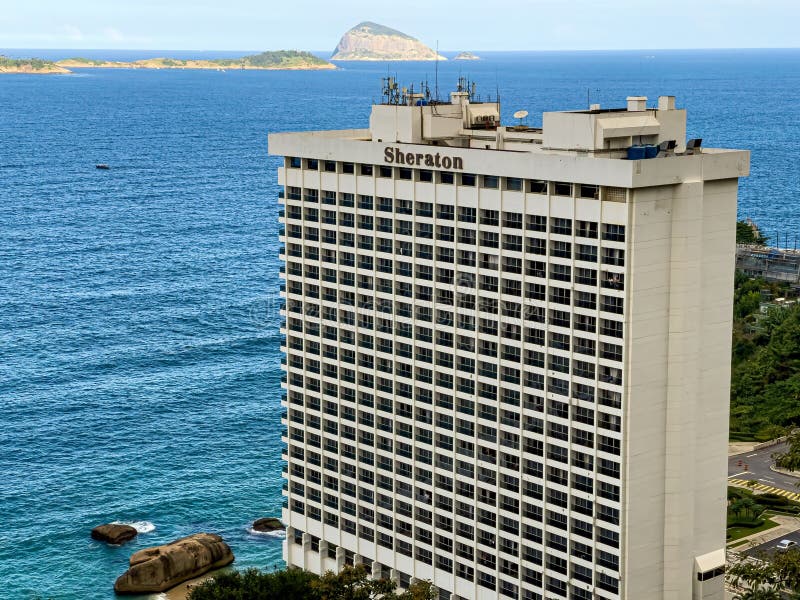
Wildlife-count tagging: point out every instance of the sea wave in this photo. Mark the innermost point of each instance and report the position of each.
(278, 534)
(140, 526)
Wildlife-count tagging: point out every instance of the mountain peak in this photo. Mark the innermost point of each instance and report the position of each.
(373, 41)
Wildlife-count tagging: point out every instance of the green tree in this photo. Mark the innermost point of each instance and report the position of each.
(789, 459)
(352, 583)
(787, 568)
(762, 593)
(749, 233)
(767, 574)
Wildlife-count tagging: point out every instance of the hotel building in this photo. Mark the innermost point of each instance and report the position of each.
(508, 350)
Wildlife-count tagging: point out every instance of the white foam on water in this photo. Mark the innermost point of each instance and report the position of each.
(278, 534)
(140, 526)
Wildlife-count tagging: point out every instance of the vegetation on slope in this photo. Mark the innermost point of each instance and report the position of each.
(28, 65)
(279, 59)
(351, 583)
(765, 379)
(377, 29)
(284, 58)
(749, 233)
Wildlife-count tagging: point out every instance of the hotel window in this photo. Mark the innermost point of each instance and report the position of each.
(295, 162)
(587, 229)
(537, 246)
(424, 209)
(589, 191)
(346, 200)
(537, 186)
(614, 281)
(490, 217)
(385, 204)
(348, 168)
(561, 249)
(425, 176)
(490, 181)
(512, 220)
(561, 226)
(614, 256)
(536, 268)
(468, 179)
(613, 233)
(365, 169)
(560, 272)
(446, 177)
(586, 253)
(514, 184)
(445, 211)
(467, 214)
(405, 174)
(330, 166)
(611, 304)
(445, 234)
(561, 188)
(385, 172)
(536, 223)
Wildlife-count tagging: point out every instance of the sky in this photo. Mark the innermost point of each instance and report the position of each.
(466, 25)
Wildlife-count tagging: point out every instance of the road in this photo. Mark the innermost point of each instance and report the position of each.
(768, 548)
(758, 468)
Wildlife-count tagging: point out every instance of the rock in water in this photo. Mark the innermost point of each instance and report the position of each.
(114, 533)
(268, 524)
(370, 41)
(163, 567)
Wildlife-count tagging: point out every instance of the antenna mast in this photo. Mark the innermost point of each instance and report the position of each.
(436, 77)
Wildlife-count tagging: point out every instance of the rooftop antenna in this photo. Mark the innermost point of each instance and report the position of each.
(436, 76)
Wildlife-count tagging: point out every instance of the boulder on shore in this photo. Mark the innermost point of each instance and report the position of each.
(160, 568)
(114, 533)
(268, 524)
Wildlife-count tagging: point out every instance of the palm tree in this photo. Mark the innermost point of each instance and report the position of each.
(760, 593)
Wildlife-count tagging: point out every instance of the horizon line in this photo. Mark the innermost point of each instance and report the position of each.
(440, 51)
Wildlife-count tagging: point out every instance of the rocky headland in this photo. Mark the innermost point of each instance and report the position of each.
(161, 568)
(371, 41)
(29, 66)
(280, 60)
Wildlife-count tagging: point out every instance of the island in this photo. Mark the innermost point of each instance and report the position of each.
(283, 60)
(34, 66)
(466, 56)
(371, 41)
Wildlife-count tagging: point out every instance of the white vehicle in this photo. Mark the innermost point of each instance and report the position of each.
(784, 545)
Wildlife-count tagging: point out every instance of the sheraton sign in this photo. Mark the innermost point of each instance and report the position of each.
(395, 156)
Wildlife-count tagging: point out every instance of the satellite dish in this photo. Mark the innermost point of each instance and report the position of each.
(520, 114)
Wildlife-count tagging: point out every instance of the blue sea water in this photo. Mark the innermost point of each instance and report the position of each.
(139, 345)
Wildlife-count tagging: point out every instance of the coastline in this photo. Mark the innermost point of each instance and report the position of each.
(28, 71)
(191, 65)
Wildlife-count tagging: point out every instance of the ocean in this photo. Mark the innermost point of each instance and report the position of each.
(139, 344)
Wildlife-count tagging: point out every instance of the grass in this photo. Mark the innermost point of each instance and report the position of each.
(737, 533)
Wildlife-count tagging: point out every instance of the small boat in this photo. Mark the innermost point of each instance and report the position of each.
(103, 167)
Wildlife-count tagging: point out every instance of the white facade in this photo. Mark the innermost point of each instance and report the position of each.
(508, 351)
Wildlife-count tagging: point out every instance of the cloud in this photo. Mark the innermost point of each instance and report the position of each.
(114, 35)
(73, 33)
